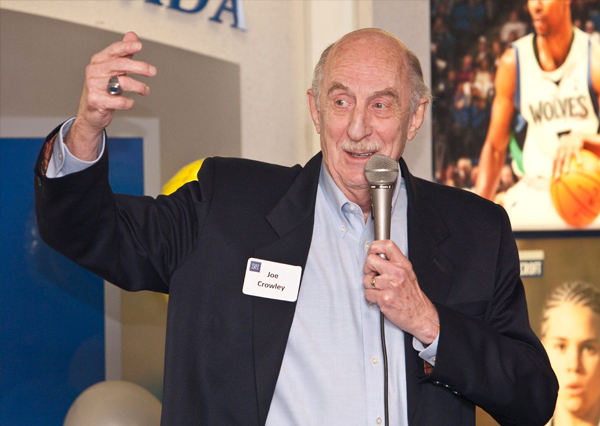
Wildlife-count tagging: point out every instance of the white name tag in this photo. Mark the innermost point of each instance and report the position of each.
(272, 280)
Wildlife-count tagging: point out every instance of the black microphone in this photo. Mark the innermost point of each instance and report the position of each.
(381, 173)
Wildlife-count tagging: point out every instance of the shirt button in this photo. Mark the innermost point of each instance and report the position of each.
(375, 361)
(379, 421)
(367, 245)
(352, 207)
(432, 359)
(60, 156)
(343, 229)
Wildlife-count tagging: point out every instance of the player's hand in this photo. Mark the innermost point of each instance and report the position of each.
(96, 108)
(568, 146)
(397, 292)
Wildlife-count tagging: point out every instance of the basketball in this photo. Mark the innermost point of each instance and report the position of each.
(576, 194)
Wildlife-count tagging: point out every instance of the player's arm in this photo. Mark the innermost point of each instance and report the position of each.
(572, 144)
(493, 153)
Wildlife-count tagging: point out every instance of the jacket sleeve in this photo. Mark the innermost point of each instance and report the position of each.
(131, 241)
(496, 361)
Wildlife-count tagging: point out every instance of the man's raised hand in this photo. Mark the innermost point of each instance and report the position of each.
(97, 106)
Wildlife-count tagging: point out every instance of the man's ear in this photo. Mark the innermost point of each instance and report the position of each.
(417, 119)
(314, 110)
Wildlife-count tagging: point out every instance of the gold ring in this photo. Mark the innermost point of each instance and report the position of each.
(373, 281)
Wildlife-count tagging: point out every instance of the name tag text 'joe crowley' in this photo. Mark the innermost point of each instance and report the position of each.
(272, 280)
(269, 285)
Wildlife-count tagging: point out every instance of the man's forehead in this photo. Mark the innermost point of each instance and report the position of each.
(377, 77)
(369, 44)
(375, 53)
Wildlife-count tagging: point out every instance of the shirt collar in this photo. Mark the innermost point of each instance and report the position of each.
(338, 203)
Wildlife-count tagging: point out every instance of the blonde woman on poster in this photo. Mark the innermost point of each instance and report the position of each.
(570, 332)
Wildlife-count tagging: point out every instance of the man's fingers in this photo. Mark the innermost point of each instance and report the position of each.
(370, 282)
(120, 66)
(127, 84)
(99, 99)
(119, 49)
(390, 250)
(103, 102)
(116, 60)
(130, 36)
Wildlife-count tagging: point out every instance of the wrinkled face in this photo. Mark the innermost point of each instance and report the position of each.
(547, 14)
(572, 341)
(364, 108)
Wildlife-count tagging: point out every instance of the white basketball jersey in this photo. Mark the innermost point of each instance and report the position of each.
(553, 103)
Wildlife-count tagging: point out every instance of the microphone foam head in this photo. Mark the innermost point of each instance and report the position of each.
(381, 170)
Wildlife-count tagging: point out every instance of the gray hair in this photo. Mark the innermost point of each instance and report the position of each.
(416, 83)
(576, 292)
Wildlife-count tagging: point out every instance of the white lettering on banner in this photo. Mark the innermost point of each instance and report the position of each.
(235, 7)
(532, 268)
(532, 263)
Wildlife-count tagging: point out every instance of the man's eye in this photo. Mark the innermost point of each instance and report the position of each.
(340, 102)
(379, 105)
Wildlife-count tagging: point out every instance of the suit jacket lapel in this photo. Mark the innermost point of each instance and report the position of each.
(426, 231)
(292, 219)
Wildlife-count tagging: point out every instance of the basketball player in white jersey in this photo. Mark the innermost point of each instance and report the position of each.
(547, 89)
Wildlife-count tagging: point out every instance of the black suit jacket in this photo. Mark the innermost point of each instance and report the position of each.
(224, 349)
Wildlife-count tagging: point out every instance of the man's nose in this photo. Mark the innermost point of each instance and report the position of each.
(359, 126)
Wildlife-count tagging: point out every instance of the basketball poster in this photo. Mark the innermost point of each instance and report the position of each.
(515, 114)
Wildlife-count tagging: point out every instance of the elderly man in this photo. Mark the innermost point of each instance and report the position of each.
(456, 321)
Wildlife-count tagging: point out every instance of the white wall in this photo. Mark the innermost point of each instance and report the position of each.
(409, 21)
(276, 54)
(269, 72)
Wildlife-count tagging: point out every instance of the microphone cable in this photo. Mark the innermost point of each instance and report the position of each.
(385, 371)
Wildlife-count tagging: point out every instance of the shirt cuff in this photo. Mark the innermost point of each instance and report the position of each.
(427, 353)
(62, 162)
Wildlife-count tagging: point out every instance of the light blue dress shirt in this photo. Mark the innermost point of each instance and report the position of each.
(62, 161)
(332, 371)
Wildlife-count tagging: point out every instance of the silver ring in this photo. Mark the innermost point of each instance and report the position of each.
(114, 87)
